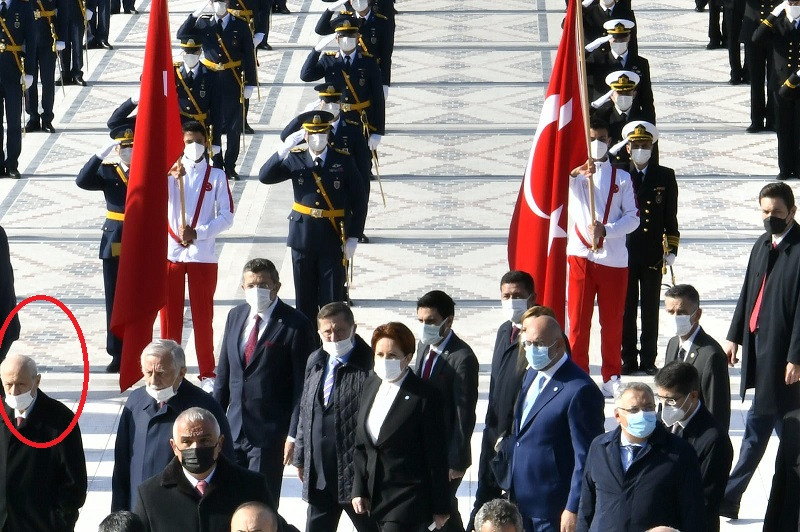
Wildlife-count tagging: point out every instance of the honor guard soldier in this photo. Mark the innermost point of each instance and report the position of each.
(194, 83)
(42, 57)
(256, 14)
(328, 213)
(779, 31)
(112, 179)
(599, 12)
(355, 74)
(757, 56)
(77, 15)
(376, 33)
(228, 53)
(17, 32)
(657, 196)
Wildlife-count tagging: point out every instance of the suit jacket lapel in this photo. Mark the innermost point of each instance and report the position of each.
(239, 322)
(614, 457)
(271, 332)
(402, 408)
(549, 391)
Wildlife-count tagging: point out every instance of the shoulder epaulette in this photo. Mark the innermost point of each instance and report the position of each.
(343, 151)
(299, 149)
(331, 53)
(177, 64)
(381, 15)
(352, 122)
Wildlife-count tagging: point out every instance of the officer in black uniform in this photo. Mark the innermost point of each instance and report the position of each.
(329, 207)
(49, 26)
(17, 32)
(112, 179)
(72, 55)
(732, 17)
(758, 60)
(657, 196)
(780, 29)
(228, 53)
(194, 84)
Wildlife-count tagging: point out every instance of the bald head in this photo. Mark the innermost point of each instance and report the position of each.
(19, 375)
(254, 517)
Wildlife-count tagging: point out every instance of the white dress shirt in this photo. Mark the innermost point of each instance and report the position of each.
(384, 398)
(434, 351)
(686, 345)
(251, 322)
(193, 481)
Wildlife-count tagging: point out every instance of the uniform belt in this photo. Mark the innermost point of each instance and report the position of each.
(355, 106)
(118, 216)
(318, 213)
(39, 13)
(200, 117)
(9, 47)
(241, 12)
(220, 66)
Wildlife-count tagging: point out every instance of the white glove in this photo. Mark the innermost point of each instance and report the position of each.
(89, 14)
(325, 41)
(350, 247)
(385, 92)
(105, 150)
(602, 99)
(60, 46)
(670, 259)
(334, 6)
(248, 91)
(215, 149)
(291, 141)
(587, 3)
(374, 141)
(26, 80)
(597, 43)
(199, 11)
(780, 7)
(257, 38)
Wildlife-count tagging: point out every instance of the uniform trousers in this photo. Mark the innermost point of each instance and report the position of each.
(265, 460)
(11, 104)
(732, 23)
(758, 58)
(787, 126)
(110, 269)
(99, 26)
(716, 32)
(644, 291)
(324, 511)
(202, 284)
(228, 120)
(588, 279)
(318, 279)
(44, 65)
(72, 54)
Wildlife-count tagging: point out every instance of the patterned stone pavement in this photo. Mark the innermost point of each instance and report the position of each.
(468, 85)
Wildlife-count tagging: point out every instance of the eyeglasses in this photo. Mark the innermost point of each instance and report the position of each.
(636, 409)
(527, 343)
(669, 401)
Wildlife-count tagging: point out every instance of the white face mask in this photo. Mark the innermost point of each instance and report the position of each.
(429, 333)
(640, 156)
(672, 414)
(125, 155)
(347, 44)
(317, 142)
(624, 102)
(681, 323)
(161, 396)
(20, 402)
(340, 348)
(190, 60)
(194, 151)
(388, 369)
(619, 48)
(513, 309)
(792, 12)
(259, 299)
(359, 5)
(598, 150)
(221, 9)
(332, 108)
(607, 3)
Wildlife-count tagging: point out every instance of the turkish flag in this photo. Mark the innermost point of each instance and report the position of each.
(537, 239)
(157, 143)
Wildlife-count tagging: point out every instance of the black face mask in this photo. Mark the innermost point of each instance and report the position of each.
(198, 459)
(775, 226)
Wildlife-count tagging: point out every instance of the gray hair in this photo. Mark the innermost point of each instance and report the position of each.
(498, 512)
(261, 510)
(636, 386)
(195, 415)
(164, 346)
(26, 362)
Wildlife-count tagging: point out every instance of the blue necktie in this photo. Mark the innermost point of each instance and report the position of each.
(631, 451)
(327, 387)
(530, 398)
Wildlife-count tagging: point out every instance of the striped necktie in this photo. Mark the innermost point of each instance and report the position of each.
(330, 378)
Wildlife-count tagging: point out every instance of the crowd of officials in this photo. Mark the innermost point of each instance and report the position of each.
(380, 430)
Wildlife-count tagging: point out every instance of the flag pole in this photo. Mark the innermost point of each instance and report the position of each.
(584, 91)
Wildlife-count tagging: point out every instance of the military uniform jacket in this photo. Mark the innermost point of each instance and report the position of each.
(601, 63)
(20, 24)
(236, 37)
(657, 197)
(95, 175)
(343, 185)
(258, 19)
(754, 12)
(785, 47)
(43, 22)
(201, 93)
(595, 16)
(365, 79)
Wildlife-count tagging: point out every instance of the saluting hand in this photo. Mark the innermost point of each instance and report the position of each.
(587, 169)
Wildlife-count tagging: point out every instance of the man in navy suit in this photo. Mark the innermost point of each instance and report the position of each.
(260, 373)
(558, 413)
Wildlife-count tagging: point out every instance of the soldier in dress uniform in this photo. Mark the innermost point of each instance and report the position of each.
(194, 83)
(76, 15)
(758, 60)
(328, 213)
(780, 30)
(49, 26)
(355, 74)
(228, 53)
(256, 14)
(657, 196)
(17, 31)
(599, 12)
(112, 179)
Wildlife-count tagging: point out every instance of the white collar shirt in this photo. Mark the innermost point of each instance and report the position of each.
(384, 398)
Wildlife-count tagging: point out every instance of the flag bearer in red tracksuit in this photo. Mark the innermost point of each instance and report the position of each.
(190, 252)
(602, 272)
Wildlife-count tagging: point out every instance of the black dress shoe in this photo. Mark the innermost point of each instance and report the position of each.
(67, 81)
(649, 370)
(106, 45)
(629, 369)
(113, 367)
(233, 175)
(264, 45)
(736, 80)
(714, 45)
(32, 125)
(284, 10)
(14, 174)
(782, 177)
(699, 9)
(79, 81)
(248, 129)
(48, 126)
(363, 239)
(755, 128)
(93, 45)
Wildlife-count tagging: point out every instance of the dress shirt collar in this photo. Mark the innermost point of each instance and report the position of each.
(624, 56)
(387, 386)
(224, 20)
(642, 170)
(685, 422)
(27, 411)
(687, 344)
(194, 168)
(321, 155)
(440, 348)
(194, 70)
(351, 55)
(365, 17)
(193, 481)
(624, 441)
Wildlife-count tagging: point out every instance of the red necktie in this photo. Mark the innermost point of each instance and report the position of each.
(426, 371)
(514, 334)
(250, 346)
(757, 306)
(20, 422)
(201, 487)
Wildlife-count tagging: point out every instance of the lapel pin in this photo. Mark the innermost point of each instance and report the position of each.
(555, 389)
(407, 398)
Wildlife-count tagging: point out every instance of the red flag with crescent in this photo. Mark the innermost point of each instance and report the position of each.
(537, 239)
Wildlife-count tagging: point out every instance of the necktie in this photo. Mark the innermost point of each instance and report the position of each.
(638, 178)
(514, 334)
(201, 487)
(621, 61)
(20, 420)
(161, 404)
(327, 387)
(682, 354)
(219, 26)
(757, 305)
(533, 394)
(252, 340)
(191, 77)
(426, 371)
(632, 452)
(347, 62)
(3, 9)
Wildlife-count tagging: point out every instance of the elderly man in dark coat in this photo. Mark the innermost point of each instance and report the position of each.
(142, 447)
(766, 323)
(8, 298)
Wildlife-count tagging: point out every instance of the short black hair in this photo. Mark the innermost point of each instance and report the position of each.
(778, 190)
(686, 292)
(262, 265)
(518, 277)
(335, 309)
(193, 126)
(598, 123)
(121, 521)
(436, 299)
(678, 376)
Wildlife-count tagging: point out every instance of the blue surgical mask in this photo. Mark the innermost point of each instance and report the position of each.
(641, 424)
(538, 356)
